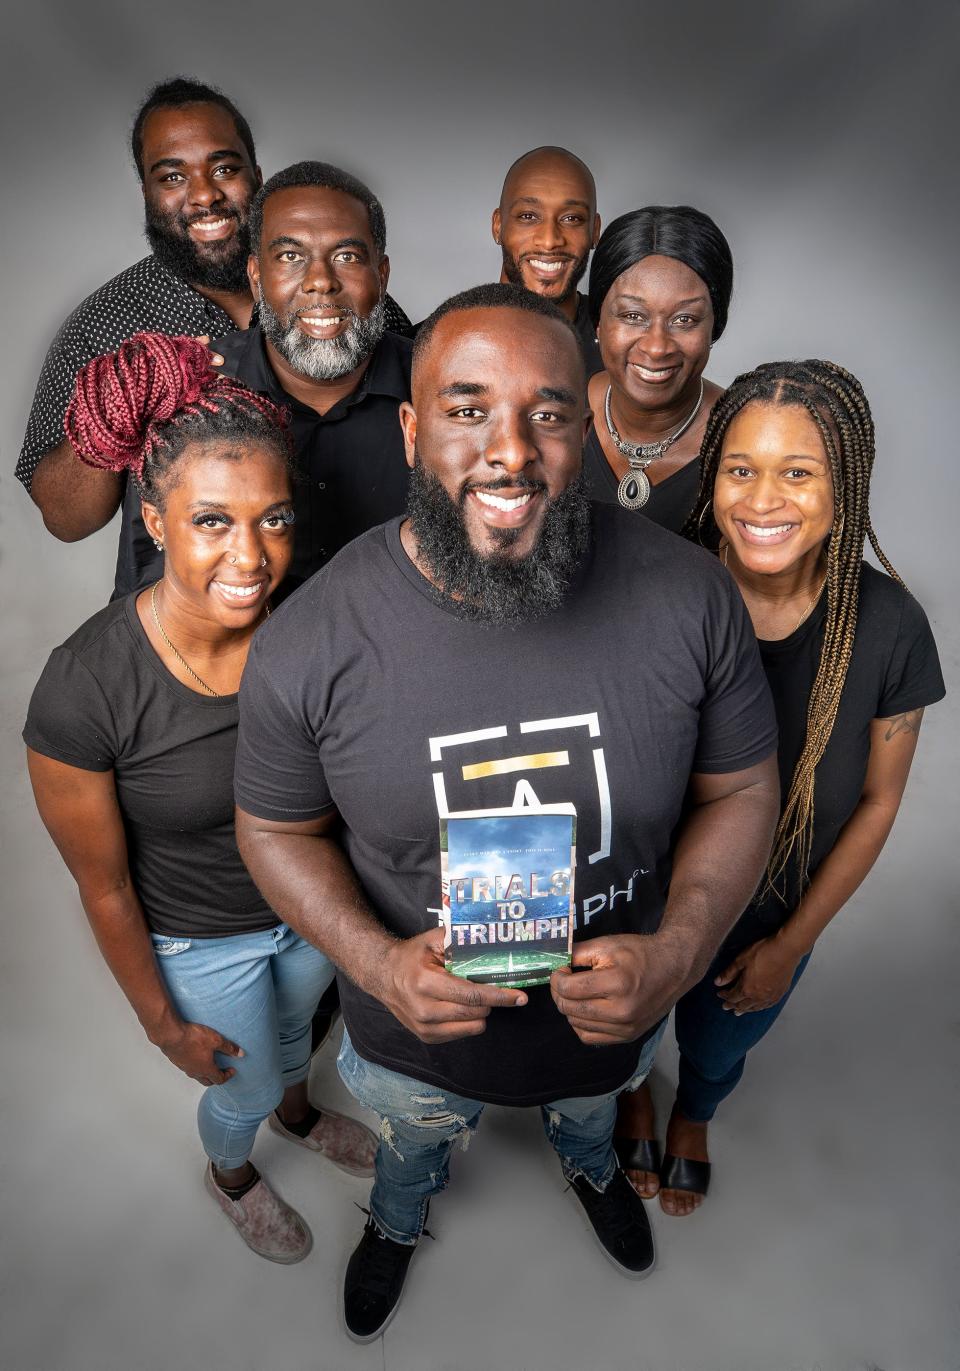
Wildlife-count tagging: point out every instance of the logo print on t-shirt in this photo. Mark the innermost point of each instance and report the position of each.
(519, 766)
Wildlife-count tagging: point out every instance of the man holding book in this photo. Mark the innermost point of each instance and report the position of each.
(505, 647)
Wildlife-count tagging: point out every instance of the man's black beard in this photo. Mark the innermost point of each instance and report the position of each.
(498, 589)
(511, 270)
(176, 251)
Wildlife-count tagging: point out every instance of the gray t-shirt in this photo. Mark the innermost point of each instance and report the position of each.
(367, 692)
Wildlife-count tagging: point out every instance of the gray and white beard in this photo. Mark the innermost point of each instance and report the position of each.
(498, 588)
(324, 359)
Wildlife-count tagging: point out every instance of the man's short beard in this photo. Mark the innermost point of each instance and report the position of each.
(324, 359)
(174, 249)
(511, 270)
(498, 588)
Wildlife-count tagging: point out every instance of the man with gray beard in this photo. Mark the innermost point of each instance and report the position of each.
(318, 271)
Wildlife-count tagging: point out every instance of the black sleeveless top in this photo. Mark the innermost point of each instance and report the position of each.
(671, 500)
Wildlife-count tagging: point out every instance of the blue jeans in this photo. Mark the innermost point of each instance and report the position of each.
(260, 991)
(714, 1043)
(420, 1123)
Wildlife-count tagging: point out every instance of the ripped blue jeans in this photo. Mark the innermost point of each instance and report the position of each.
(420, 1123)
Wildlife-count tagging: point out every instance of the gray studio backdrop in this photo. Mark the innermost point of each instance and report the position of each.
(818, 135)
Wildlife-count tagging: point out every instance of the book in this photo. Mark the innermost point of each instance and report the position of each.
(507, 905)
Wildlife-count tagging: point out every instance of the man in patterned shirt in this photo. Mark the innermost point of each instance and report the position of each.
(195, 157)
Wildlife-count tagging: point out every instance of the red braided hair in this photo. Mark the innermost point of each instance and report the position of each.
(126, 404)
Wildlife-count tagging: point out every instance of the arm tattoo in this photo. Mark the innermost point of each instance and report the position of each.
(903, 723)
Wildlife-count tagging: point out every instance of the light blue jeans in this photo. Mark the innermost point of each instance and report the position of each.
(420, 1123)
(260, 991)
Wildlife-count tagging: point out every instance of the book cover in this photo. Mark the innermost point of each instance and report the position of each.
(507, 877)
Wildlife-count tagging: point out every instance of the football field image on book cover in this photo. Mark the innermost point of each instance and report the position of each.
(507, 879)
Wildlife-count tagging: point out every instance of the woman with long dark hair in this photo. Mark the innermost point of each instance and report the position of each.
(784, 499)
(131, 735)
(660, 287)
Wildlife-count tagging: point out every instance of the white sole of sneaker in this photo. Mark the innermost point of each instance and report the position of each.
(624, 1270)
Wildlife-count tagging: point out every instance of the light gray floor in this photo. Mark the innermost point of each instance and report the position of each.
(828, 1241)
(818, 136)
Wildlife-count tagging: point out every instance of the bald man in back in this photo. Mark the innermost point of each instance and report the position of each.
(546, 225)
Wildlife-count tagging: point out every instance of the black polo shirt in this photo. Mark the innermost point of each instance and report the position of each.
(351, 458)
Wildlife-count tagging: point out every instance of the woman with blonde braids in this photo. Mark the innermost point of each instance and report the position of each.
(131, 736)
(851, 663)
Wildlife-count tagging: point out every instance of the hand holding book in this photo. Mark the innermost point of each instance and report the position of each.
(435, 1005)
(629, 983)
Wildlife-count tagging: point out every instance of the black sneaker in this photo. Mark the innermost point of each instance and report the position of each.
(620, 1224)
(374, 1283)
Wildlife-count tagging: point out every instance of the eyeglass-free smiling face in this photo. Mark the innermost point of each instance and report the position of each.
(227, 531)
(498, 418)
(198, 182)
(547, 224)
(773, 498)
(654, 331)
(318, 266)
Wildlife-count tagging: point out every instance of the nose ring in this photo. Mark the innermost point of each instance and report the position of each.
(263, 559)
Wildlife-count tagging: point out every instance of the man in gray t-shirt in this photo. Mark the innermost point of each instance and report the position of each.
(506, 645)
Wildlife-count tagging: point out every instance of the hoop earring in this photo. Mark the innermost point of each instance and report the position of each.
(700, 525)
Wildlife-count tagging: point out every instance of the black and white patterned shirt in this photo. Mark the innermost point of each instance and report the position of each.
(147, 297)
(144, 297)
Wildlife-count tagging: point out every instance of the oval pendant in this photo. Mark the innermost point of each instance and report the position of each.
(633, 492)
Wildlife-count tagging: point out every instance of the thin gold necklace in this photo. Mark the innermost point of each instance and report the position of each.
(182, 660)
(815, 597)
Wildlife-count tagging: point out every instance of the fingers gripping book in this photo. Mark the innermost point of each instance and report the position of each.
(507, 907)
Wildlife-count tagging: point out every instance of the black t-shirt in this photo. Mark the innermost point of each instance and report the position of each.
(894, 667)
(105, 701)
(670, 501)
(367, 693)
(351, 458)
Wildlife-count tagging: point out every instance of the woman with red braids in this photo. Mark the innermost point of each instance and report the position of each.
(131, 735)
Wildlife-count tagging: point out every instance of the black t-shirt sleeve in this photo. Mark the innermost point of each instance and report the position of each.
(69, 717)
(738, 726)
(278, 772)
(913, 678)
